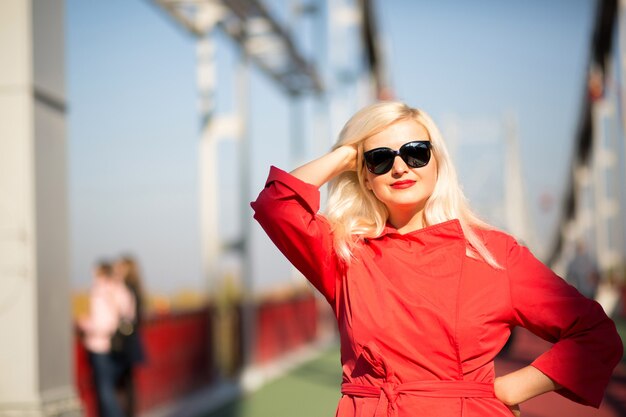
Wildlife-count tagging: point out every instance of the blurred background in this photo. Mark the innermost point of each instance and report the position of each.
(146, 127)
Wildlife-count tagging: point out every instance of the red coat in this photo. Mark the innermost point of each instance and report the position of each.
(421, 322)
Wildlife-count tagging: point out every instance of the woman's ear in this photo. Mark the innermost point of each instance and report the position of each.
(367, 184)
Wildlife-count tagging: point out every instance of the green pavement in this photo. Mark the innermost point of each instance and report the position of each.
(311, 390)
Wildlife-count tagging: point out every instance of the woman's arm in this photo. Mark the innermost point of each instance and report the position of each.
(287, 209)
(321, 170)
(586, 346)
(522, 385)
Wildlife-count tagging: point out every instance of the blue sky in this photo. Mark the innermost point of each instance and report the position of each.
(133, 124)
(476, 61)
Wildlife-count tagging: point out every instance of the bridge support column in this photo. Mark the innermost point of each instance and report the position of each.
(35, 320)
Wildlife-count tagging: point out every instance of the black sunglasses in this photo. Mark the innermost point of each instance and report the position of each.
(415, 154)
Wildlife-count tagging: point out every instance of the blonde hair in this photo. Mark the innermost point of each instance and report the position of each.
(355, 213)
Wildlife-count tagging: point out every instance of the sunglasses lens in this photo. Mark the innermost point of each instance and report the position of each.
(415, 154)
(379, 161)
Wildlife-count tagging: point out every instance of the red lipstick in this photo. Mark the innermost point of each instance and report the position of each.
(402, 184)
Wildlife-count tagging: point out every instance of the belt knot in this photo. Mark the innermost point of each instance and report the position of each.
(387, 400)
(390, 392)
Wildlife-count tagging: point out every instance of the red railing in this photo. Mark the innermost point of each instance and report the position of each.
(179, 350)
(283, 326)
(179, 358)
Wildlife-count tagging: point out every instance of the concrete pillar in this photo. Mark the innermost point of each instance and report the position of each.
(206, 72)
(36, 377)
(515, 197)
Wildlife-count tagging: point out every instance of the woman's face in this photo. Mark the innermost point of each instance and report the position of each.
(120, 269)
(402, 189)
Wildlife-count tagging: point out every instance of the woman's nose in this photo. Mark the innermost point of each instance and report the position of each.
(399, 166)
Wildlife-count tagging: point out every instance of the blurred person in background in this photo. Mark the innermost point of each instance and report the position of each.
(583, 273)
(110, 301)
(424, 292)
(127, 271)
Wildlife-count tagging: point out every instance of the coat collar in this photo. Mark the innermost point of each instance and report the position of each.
(448, 229)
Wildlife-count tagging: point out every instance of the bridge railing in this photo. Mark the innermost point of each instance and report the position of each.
(181, 346)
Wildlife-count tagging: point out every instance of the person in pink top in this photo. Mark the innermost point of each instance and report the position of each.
(109, 302)
(425, 293)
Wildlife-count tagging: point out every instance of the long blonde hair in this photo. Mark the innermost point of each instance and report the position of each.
(355, 213)
(132, 279)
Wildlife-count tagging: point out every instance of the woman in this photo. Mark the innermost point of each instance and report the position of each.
(109, 303)
(127, 271)
(426, 294)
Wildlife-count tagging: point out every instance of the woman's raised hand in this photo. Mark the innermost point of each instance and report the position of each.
(350, 152)
(323, 169)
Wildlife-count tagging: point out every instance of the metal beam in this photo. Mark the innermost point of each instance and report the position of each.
(266, 42)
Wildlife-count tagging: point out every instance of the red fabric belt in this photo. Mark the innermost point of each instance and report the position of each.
(388, 393)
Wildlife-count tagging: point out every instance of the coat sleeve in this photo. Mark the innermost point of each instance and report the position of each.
(287, 210)
(586, 344)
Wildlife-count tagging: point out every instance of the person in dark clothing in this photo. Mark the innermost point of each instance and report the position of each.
(132, 353)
